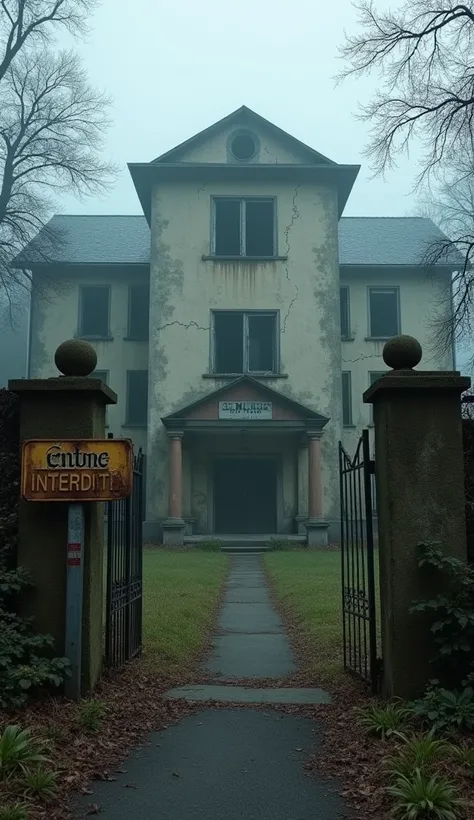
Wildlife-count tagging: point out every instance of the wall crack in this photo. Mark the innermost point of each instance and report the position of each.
(295, 214)
(184, 324)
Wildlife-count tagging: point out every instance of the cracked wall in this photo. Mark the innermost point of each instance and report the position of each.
(185, 288)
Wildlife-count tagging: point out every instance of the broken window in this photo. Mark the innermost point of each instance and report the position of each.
(384, 320)
(137, 398)
(346, 399)
(245, 342)
(244, 227)
(94, 310)
(138, 307)
(345, 313)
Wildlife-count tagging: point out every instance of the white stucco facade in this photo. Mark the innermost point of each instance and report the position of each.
(298, 284)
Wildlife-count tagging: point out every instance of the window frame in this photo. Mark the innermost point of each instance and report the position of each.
(127, 422)
(95, 376)
(347, 289)
(350, 421)
(245, 342)
(243, 200)
(396, 290)
(133, 337)
(80, 333)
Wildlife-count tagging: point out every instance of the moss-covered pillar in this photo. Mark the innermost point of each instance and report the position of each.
(420, 500)
(71, 406)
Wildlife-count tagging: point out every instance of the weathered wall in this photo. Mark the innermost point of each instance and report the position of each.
(184, 288)
(422, 296)
(55, 317)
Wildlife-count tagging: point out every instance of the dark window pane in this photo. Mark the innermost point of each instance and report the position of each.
(139, 299)
(345, 312)
(227, 227)
(94, 311)
(100, 374)
(228, 342)
(384, 313)
(261, 343)
(137, 396)
(259, 239)
(346, 399)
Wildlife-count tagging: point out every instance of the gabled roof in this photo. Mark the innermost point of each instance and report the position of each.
(314, 419)
(125, 240)
(242, 114)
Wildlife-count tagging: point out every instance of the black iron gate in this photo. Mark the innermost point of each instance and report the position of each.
(123, 628)
(357, 562)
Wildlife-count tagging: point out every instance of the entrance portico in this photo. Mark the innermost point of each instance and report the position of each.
(246, 460)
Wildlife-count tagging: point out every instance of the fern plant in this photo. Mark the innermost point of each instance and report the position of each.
(425, 797)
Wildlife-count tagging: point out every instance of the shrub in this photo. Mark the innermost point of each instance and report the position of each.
(17, 811)
(444, 709)
(383, 720)
(421, 797)
(464, 755)
(90, 714)
(19, 751)
(41, 783)
(27, 660)
(282, 544)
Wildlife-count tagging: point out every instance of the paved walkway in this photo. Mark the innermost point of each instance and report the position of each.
(231, 763)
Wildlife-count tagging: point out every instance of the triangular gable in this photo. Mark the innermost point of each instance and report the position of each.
(241, 117)
(246, 389)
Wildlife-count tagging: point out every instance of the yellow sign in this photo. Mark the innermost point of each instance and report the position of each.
(76, 470)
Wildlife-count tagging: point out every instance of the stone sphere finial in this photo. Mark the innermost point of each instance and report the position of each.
(75, 357)
(402, 352)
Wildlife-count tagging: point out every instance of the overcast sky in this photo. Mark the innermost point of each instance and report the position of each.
(174, 67)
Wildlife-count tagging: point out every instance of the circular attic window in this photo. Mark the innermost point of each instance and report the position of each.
(243, 146)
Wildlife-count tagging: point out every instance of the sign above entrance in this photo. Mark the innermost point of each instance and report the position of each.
(245, 410)
(76, 470)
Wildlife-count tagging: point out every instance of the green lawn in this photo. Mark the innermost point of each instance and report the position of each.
(308, 585)
(180, 594)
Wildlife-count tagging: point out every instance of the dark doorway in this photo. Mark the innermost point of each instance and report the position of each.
(245, 495)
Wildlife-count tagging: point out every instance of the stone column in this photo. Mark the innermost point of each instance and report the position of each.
(420, 500)
(70, 406)
(315, 525)
(173, 527)
(302, 479)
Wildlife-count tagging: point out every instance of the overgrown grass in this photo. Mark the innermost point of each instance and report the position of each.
(309, 586)
(181, 591)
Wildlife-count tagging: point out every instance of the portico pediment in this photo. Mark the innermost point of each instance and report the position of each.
(246, 402)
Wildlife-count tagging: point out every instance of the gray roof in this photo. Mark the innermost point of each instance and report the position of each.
(125, 240)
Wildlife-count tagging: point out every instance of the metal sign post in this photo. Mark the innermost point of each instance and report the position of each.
(74, 597)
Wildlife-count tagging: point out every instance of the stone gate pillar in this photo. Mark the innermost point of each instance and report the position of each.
(65, 407)
(420, 500)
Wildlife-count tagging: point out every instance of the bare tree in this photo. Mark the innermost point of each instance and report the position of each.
(423, 55)
(52, 126)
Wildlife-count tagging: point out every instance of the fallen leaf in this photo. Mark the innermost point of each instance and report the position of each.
(175, 774)
(93, 808)
(131, 786)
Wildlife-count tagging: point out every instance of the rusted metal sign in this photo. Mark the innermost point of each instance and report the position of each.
(76, 470)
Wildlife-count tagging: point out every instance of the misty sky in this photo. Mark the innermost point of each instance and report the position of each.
(174, 67)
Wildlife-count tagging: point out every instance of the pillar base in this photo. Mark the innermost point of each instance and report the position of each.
(317, 532)
(300, 521)
(173, 532)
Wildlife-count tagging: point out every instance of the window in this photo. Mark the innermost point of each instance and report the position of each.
(137, 398)
(245, 342)
(346, 399)
(138, 307)
(384, 320)
(345, 312)
(100, 374)
(94, 310)
(244, 227)
(243, 146)
(373, 376)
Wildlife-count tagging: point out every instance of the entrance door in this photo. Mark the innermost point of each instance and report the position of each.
(245, 495)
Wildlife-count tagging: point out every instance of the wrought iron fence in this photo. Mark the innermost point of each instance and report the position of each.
(123, 633)
(357, 489)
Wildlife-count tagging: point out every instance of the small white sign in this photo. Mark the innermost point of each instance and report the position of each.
(246, 410)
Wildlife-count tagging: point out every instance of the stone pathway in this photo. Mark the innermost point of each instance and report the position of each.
(231, 763)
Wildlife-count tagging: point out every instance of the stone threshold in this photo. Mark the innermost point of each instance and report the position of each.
(242, 694)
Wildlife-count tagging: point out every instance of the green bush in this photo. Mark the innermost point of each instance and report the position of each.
(444, 709)
(418, 752)
(27, 661)
(19, 751)
(41, 783)
(90, 714)
(383, 720)
(282, 544)
(17, 811)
